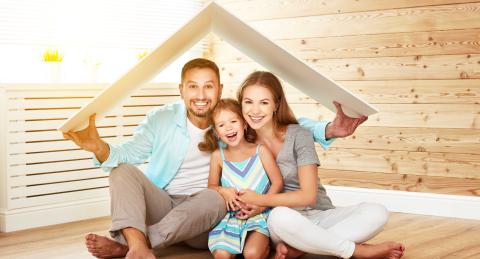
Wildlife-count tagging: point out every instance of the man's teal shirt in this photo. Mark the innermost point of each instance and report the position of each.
(162, 139)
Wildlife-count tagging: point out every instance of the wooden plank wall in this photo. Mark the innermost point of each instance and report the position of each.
(417, 61)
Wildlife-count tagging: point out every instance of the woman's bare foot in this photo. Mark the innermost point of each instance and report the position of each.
(388, 250)
(284, 251)
(104, 247)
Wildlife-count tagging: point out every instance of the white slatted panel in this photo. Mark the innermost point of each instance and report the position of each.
(42, 167)
(3, 148)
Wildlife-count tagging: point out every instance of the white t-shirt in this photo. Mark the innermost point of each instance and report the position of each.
(192, 175)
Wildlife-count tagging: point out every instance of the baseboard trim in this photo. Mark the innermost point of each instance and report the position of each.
(442, 205)
(18, 219)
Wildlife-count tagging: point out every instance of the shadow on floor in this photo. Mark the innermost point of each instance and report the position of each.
(185, 252)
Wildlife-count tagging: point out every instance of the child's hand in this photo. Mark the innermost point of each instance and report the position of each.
(230, 195)
(248, 211)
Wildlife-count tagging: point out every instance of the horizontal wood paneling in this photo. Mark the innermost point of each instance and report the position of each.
(401, 182)
(381, 68)
(417, 91)
(458, 116)
(451, 42)
(418, 62)
(257, 9)
(431, 18)
(395, 92)
(463, 141)
(401, 162)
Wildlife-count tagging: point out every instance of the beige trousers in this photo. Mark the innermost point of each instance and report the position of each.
(165, 219)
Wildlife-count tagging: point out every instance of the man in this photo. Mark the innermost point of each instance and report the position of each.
(170, 203)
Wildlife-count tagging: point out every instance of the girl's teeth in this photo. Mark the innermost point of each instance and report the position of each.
(231, 137)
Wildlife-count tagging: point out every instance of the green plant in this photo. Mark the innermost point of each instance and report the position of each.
(52, 55)
(143, 54)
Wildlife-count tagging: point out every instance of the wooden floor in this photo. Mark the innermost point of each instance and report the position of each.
(423, 236)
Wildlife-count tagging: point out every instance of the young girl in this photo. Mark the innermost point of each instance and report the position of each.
(240, 165)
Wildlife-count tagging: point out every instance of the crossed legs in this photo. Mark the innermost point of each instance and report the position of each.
(145, 216)
(339, 232)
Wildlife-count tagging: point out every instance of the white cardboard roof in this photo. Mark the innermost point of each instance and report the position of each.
(243, 37)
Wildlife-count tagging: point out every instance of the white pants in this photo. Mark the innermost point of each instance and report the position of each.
(330, 232)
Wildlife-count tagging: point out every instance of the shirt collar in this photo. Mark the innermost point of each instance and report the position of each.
(181, 114)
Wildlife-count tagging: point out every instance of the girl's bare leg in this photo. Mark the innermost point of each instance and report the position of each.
(222, 254)
(256, 246)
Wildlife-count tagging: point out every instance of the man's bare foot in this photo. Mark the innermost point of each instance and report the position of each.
(140, 252)
(104, 247)
(387, 250)
(284, 251)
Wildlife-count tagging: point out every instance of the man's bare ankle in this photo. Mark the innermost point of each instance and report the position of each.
(136, 239)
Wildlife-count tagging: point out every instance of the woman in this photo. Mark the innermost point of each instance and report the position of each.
(306, 221)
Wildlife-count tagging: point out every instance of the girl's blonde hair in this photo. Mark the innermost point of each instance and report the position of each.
(210, 142)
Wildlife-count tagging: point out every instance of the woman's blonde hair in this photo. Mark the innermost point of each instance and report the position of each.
(210, 142)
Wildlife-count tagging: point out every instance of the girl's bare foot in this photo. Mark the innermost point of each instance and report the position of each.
(284, 251)
(104, 247)
(389, 250)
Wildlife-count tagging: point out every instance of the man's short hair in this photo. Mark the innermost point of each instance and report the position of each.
(200, 63)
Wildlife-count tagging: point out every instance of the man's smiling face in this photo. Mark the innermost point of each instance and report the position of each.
(200, 90)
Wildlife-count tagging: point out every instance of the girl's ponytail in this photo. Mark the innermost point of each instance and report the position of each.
(210, 141)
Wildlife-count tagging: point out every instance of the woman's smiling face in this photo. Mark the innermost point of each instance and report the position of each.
(258, 106)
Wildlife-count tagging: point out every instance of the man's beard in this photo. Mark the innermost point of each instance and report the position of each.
(201, 114)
